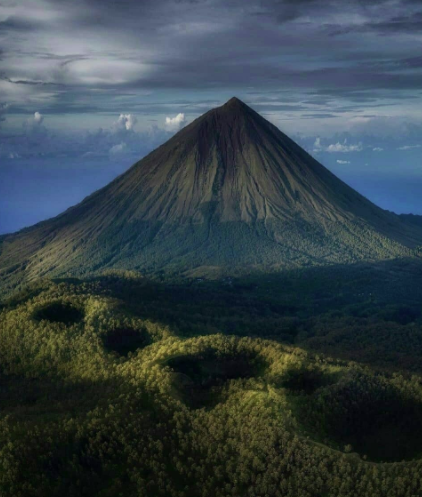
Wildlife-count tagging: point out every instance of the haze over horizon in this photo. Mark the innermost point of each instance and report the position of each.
(87, 88)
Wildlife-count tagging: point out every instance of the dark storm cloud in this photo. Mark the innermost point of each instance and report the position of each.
(17, 24)
(287, 10)
(105, 56)
(405, 23)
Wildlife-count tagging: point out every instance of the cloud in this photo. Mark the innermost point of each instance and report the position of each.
(165, 52)
(38, 118)
(126, 122)
(344, 147)
(86, 59)
(34, 125)
(343, 161)
(408, 147)
(175, 123)
(3, 110)
(377, 149)
(118, 149)
(337, 147)
(36, 141)
(399, 24)
(317, 145)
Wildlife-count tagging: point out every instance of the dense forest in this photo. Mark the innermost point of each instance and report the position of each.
(307, 383)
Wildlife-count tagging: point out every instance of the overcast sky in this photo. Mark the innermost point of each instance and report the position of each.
(92, 85)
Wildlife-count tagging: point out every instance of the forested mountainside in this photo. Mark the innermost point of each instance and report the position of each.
(228, 193)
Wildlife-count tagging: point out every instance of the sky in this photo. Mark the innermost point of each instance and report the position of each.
(88, 87)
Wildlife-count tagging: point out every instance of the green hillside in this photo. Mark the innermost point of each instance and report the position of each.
(307, 383)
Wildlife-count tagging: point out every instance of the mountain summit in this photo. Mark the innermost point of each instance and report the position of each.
(228, 192)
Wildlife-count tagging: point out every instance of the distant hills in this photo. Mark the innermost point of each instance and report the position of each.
(229, 193)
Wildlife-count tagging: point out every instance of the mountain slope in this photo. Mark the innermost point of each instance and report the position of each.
(227, 192)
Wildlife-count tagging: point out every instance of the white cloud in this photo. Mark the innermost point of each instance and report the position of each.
(377, 149)
(408, 147)
(118, 149)
(337, 147)
(38, 118)
(34, 125)
(126, 122)
(343, 161)
(13, 155)
(175, 123)
(317, 145)
(344, 147)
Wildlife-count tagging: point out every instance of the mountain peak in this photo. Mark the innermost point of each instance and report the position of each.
(234, 102)
(229, 190)
(234, 105)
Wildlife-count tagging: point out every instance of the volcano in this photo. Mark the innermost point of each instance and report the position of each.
(228, 193)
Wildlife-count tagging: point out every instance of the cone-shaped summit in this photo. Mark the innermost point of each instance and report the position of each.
(229, 191)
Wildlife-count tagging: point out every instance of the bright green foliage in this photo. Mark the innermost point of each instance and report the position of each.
(190, 411)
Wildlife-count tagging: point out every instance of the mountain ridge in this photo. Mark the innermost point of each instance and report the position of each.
(228, 190)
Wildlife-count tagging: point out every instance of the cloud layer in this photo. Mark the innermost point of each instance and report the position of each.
(338, 147)
(304, 60)
(104, 78)
(40, 140)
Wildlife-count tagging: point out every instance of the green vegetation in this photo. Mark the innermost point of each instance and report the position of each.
(374, 416)
(302, 384)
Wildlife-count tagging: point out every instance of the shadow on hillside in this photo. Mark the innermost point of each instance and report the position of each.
(369, 313)
(364, 312)
(306, 292)
(198, 378)
(48, 397)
